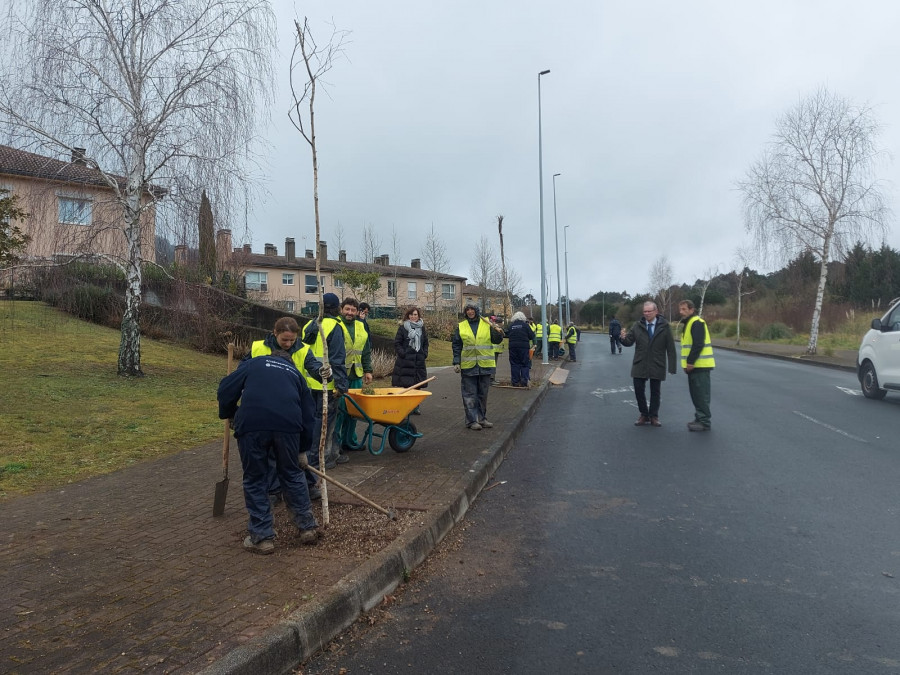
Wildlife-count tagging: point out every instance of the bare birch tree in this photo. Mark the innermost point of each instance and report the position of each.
(742, 260)
(370, 244)
(395, 257)
(309, 64)
(661, 283)
(814, 189)
(709, 276)
(165, 97)
(435, 261)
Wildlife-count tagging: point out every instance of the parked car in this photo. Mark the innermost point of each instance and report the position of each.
(878, 362)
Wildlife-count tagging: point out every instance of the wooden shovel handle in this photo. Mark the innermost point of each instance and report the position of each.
(416, 386)
(227, 437)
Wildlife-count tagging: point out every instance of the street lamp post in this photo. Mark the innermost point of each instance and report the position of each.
(568, 306)
(544, 350)
(559, 314)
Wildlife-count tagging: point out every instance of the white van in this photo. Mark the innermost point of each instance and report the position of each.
(878, 363)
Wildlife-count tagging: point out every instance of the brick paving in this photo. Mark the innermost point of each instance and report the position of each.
(129, 572)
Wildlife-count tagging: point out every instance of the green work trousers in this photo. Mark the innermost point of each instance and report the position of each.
(701, 392)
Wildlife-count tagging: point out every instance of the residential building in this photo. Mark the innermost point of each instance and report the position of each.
(73, 212)
(487, 300)
(289, 282)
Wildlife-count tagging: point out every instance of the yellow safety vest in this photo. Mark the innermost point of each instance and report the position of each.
(705, 360)
(554, 333)
(329, 324)
(354, 347)
(538, 331)
(572, 336)
(259, 348)
(477, 349)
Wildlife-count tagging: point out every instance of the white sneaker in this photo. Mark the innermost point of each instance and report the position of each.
(486, 424)
(475, 426)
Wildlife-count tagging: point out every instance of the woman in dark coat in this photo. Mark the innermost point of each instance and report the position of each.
(411, 348)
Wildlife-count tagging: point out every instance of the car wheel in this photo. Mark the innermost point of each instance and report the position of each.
(869, 382)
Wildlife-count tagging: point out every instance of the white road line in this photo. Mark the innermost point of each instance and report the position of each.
(830, 428)
(852, 392)
(599, 393)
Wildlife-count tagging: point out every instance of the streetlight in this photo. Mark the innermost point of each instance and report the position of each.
(556, 236)
(568, 306)
(544, 350)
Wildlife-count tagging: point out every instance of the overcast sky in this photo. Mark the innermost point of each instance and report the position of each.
(651, 112)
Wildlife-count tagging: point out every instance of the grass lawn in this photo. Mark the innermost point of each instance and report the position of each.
(66, 415)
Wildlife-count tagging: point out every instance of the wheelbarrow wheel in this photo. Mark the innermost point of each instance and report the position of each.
(400, 440)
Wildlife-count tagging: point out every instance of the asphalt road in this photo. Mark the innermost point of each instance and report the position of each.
(769, 545)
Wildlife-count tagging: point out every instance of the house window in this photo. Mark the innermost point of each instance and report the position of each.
(287, 279)
(311, 283)
(256, 281)
(429, 289)
(289, 305)
(448, 291)
(338, 283)
(392, 289)
(74, 210)
(411, 290)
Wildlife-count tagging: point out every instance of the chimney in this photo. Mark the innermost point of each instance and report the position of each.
(385, 259)
(323, 250)
(181, 254)
(290, 251)
(271, 249)
(416, 263)
(309, 253)
(78, 156)
(247, 248)
(223, 247)
(342, 256)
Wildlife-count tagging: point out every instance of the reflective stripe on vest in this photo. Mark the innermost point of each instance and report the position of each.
(354, 348)
(572, 336)
(554, 333)
(259, 348)
(477, 349)
(328, 324)
(705, 360)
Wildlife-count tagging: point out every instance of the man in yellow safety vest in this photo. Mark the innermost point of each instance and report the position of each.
(697, 361)
(473, 357)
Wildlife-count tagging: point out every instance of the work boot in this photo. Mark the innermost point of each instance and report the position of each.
(308, 537)
(654, 422)
(475, 426)
(342, 458)
(697, 426)
(642, 421)
(315, 493)
(262, 547)
(486, 425)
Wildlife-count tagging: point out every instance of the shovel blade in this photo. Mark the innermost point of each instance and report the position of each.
(221, 494)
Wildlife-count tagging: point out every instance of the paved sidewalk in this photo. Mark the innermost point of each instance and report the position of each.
(129, 572)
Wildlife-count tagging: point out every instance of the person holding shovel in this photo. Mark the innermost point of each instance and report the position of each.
(275, 418)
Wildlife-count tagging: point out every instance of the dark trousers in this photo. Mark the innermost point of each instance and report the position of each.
(345, 425)
(475, 390)
(553, 348)
(519, 366)
(641, 396)
(700, 386)
(615, 341)
(571, 351)
(256, 449)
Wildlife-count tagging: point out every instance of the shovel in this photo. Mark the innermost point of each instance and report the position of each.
(415, 386)
(222, 485)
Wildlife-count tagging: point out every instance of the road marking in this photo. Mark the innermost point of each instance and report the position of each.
(852, 392)
(600, 393)
(830, 428)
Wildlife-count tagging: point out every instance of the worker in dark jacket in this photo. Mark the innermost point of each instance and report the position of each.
(521, 336)
(654, 355)
(698, 361)
(615, 335)
(275, 418)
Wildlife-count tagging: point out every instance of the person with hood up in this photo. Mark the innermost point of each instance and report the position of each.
(520, 335)
(473, 357)
(654, 354)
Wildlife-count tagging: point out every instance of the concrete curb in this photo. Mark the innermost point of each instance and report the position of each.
(793, 359)
(293, 640)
